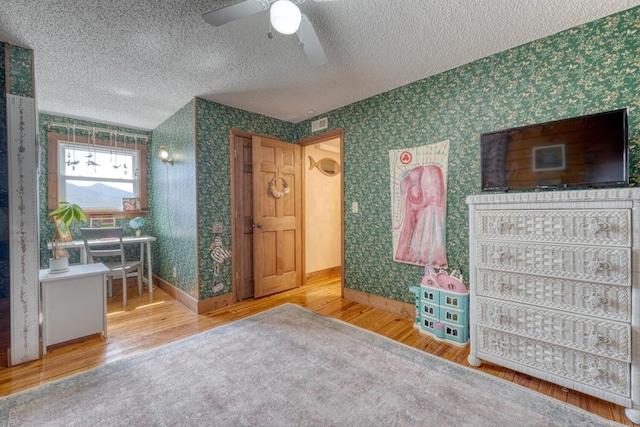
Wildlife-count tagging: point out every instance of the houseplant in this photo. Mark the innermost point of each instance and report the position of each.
(63, 216)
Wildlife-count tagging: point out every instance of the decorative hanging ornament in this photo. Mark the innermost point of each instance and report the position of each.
(75, 161)
(218, 252)
(124, 145)
(273, 189)
(70, 162)
(135, 149)
(90, 162)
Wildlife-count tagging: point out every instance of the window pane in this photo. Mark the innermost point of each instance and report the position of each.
(97, 194)
(97, 162)
(97, 176)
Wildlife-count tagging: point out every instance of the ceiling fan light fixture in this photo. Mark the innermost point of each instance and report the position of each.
(285, 17)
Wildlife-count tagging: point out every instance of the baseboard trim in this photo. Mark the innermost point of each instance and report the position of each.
(204, 306)
(215, 303)
(324, 274)
(397, 307)
(185, 299)
(190, 302)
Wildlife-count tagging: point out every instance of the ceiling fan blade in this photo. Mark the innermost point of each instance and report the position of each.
(235, 11)
(310, 43)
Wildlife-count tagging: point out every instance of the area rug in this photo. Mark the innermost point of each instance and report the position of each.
(287, 366)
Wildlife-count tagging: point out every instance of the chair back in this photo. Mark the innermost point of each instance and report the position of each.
(103, 242)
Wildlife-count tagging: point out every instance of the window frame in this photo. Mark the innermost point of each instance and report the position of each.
(53, 148)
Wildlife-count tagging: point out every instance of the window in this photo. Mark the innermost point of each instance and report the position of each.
(97, 173)
(97, 177)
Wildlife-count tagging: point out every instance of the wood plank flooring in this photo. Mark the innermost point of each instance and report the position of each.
(153, 319)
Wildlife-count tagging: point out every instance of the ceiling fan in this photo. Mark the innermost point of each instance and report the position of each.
(285, 17)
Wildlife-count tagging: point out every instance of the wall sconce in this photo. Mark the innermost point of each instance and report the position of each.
(164, 155)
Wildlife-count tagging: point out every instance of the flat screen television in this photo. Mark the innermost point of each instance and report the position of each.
(581, 152)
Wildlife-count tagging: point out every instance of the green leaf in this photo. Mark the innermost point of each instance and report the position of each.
(68, 212)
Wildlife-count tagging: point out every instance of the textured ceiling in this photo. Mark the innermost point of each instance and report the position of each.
(135, 63)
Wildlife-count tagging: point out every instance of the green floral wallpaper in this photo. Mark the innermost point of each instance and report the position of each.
(587, 69)
(172, 201)
(20, 72)
(5, 282)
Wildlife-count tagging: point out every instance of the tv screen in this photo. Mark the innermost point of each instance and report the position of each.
(580, 152)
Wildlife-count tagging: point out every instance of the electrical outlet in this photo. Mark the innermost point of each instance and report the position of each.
(175, 272)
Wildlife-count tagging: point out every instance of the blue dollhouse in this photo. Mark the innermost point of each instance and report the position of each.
(442, 312)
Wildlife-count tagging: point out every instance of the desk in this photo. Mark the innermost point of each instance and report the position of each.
(143, 241)
(74, 303)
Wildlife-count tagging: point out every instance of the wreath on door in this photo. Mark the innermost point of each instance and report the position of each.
(273, 188)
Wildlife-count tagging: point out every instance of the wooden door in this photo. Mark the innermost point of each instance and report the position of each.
(277, 216)
(243, 217)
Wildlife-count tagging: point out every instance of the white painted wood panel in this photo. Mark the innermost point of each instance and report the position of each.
(23, 228)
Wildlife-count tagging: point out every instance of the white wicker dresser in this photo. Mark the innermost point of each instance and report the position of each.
(554, 288)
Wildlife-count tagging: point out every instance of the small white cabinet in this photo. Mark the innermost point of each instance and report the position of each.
(554, 288)
(74, 303)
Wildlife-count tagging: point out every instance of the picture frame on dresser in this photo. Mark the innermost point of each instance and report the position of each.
(554, 289)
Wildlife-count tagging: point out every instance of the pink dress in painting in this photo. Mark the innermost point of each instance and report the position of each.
(422, 230)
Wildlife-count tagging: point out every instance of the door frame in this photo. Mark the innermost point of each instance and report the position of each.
(235, 249)
(333, 134)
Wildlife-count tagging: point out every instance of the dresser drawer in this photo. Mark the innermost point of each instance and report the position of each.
(519, 353)
(589, 299)
(605, 227)
(597, 336)
(599, 264)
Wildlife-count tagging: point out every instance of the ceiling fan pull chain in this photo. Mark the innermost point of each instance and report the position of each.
(270, 33)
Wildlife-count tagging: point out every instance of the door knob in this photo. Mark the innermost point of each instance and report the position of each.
(258, 225)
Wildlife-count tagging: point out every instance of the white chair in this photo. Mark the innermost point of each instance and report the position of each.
(107, 243)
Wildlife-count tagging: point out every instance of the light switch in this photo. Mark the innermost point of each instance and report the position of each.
(354, 207)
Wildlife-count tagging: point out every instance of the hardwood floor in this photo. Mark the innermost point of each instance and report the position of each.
(151, 320)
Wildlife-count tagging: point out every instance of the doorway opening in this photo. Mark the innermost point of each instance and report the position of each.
(322, 216)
